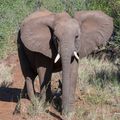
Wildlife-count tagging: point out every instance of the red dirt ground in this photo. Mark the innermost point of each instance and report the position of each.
(8, 96)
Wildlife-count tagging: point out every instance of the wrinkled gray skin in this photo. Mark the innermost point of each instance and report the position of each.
(44, 34)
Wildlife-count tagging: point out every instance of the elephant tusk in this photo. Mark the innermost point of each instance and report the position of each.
(75, 54)
(57, 58)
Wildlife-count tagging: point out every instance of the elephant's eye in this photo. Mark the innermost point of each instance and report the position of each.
(76, 36)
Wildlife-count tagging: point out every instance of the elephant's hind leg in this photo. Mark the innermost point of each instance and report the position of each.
(29, 76)
(28, 91)
(26, 68)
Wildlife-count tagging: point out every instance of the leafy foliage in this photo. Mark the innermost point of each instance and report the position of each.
(12, 12)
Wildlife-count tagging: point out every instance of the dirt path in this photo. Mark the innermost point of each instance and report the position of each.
(8, 96)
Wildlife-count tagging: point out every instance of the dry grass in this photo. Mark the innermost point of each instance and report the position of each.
(100, 90)
(37, 107)
(38, 110)
(5, 75)
(101, 112)
(98, 85)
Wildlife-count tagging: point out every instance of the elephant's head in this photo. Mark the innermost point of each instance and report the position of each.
(68, 32)
(76, 37)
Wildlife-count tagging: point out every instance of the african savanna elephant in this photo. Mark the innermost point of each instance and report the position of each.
(51, 42)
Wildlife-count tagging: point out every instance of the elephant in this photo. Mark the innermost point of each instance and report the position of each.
(52, 42)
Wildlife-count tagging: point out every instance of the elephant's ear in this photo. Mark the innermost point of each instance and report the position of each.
(96, 28)
(36, 34)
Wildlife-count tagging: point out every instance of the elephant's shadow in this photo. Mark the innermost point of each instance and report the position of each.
(9, 94)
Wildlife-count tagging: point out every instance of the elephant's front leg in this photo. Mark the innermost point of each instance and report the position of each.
(45, 81)
(30, 87)
(41, 74)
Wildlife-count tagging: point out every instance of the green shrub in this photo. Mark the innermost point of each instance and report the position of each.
(12, 12)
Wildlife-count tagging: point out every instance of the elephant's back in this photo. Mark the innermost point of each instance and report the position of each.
(36, 15)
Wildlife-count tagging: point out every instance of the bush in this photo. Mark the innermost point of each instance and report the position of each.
(12, 12)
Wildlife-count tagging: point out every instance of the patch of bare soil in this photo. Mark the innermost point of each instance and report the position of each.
(9, 96)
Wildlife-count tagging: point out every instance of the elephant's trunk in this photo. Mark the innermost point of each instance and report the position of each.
(66, 82)
(68, 77)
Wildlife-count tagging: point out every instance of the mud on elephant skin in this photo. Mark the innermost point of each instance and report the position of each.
(50, 42)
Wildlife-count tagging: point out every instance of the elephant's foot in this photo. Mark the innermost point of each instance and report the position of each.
(69, 114)
(68, 110)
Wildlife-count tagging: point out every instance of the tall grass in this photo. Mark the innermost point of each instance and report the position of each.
(12, 13)
(99, 86)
